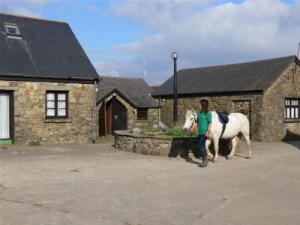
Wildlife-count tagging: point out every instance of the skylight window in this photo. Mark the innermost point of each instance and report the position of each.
(12, 30)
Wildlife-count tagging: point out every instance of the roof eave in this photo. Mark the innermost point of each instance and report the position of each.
(20, 76)
(209, 93)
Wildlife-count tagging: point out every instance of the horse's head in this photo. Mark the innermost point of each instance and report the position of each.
(190, 120)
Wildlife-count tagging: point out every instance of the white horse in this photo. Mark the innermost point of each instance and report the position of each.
(238, 123)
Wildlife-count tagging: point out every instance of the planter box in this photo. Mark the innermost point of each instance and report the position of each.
(156, 145)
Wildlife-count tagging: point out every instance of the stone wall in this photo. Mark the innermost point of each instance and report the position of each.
(274, 125)
(152, 119)
(217, 103)
(149, 145)
(30, 121)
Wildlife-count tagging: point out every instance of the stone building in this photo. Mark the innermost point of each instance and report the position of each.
(267, 91)
(46, 83)
(125, 103)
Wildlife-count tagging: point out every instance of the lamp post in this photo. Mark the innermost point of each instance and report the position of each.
(174, 57)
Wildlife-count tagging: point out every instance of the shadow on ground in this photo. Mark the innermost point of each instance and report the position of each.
(292, 139)
(184, 145)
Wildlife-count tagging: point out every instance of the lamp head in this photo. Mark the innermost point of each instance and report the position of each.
(174, 55)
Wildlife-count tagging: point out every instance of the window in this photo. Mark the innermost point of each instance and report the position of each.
(292, 108)
(12, 30)
(56, 104)
(142, 114)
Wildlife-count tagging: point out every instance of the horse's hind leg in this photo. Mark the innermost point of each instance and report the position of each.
(207, 144)
(249, 146)
(234, 144)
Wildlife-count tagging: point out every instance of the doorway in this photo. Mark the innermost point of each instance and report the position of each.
(112, 116)
(6, 117)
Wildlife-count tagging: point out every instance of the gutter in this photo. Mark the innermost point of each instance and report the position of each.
(48, 77)
(209, 94)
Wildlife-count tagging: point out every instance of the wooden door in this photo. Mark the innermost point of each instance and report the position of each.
(102, 120)
(119, 115)
(108, 119)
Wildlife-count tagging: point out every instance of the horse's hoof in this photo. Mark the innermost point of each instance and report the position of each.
(229, 157)
(179, 158)
(249, 157)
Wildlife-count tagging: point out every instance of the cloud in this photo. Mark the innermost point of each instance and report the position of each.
(26, 12)
(205, 33)
(24, 7)
(92, 7)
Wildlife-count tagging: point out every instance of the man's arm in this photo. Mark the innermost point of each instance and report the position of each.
(208, 129)
(209, 121)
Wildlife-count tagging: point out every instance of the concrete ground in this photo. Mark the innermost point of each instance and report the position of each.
(98, 185)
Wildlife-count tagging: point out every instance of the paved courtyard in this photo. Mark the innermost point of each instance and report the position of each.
(98, 185)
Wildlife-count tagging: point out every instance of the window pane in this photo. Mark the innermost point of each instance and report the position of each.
(292, 113)
(50, 96)
(61, 96)
(297, 113)
(61, 112)
(61, 105)
(285, 113)
(50, 104)
(142, 114)
(50, 112)
(288, 113)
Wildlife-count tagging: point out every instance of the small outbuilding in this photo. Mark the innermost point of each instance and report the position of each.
(267, 91)
(47, 83)
(125, 103)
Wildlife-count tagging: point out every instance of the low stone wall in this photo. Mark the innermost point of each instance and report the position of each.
(143, 144)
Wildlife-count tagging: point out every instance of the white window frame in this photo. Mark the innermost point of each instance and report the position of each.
(292, 109)
(16, 35)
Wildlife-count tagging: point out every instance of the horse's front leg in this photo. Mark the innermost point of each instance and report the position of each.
(216, 146)
(207, 144)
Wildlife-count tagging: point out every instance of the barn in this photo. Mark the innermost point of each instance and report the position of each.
(267, 91)
(125, 103)
(47, 83)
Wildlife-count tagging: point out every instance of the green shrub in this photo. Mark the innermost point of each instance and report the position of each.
(34, 142)
(179, 132)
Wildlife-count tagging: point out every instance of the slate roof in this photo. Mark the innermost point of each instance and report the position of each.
(48, 49)
(154, 88)
(134, 90)
(240, 77)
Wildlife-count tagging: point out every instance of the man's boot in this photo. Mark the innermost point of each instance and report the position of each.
(204, 159)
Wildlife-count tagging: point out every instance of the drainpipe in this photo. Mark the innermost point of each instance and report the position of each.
(94, 112)
(159, 111)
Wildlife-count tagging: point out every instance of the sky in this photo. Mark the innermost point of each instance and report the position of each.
(136, 38)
